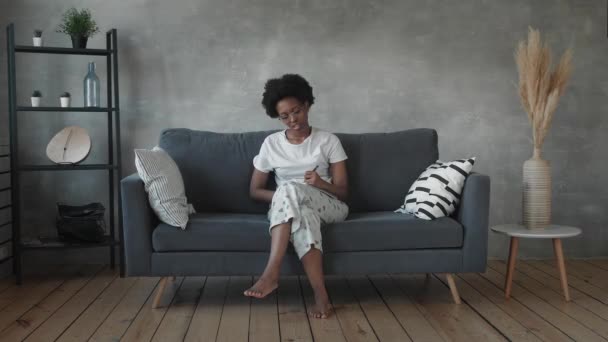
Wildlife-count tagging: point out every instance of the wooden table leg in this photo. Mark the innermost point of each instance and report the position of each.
(511, 266)
(559, 258)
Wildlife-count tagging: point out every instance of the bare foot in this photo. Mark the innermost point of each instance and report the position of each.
(321, 309)
(262, 287)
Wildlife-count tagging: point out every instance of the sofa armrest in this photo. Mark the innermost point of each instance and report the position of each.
(473, 214)
(138, 223)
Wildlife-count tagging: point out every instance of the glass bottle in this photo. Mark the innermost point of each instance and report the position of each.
(91, 88)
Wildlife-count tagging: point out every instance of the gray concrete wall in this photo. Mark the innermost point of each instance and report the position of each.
(375, 66)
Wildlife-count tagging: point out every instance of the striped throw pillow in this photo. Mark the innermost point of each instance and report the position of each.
(164, 185)
(436, 193)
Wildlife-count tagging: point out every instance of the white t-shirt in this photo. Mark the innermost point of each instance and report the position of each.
(290, 161)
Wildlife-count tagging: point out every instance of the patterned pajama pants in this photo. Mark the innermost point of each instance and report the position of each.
(309, 208)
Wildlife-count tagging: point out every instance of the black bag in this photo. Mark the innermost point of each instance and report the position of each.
(83, 223)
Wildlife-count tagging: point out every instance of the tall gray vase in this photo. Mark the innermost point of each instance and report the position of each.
(536, 192)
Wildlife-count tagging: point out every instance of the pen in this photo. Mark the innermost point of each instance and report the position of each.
(315, 169)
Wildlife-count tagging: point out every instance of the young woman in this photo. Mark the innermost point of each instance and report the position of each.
(310, 172)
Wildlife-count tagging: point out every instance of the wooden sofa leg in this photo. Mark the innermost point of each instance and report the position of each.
(159, 292)
(453, 289)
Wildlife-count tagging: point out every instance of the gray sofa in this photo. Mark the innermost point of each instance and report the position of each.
(229, 234)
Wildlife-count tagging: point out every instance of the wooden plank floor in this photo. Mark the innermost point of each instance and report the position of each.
(91, 303)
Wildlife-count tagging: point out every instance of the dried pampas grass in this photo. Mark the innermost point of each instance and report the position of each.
(540, 87)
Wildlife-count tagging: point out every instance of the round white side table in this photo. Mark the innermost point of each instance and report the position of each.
(554, 232)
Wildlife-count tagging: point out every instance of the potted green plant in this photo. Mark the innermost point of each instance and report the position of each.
(36, 95)
(79, 25)
(37, 38)
(65, 99)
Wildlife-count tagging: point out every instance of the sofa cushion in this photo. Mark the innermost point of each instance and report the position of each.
(217, 167)
(215, 232)
(387, 230)
(382, 166)
(376, 231)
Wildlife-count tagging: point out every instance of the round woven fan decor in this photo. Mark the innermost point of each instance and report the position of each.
(70, 146)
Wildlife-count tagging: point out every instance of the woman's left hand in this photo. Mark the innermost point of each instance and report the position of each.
(313, 178)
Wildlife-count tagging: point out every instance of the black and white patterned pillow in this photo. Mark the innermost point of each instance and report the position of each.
(436, 193)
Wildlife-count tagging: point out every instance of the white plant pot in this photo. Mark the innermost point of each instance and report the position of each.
(65, 101)
(35, 101)
(37, 41)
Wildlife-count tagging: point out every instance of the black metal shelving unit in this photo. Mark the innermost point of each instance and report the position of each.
(64, 109)
(112, 109)
(5, 208)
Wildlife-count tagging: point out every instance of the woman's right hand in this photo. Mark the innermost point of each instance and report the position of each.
(312, 178)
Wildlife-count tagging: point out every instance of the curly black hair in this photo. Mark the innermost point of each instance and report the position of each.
(289, 85)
